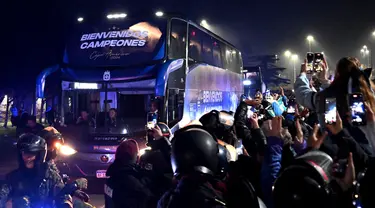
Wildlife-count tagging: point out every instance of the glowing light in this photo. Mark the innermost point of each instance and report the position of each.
(116, 16)
(67, 151)
(143, 151)
(287, 53)
(159, 14)
(294, 57)
(247, 82)
(124, 131)
(87, 86)
(365, 47)
(373, 33)
(310, 38)
(80, 19)
(204, 24)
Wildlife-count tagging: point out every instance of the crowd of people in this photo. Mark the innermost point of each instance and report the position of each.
(275, 151)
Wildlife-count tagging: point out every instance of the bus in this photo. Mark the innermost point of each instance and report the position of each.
(168, 65)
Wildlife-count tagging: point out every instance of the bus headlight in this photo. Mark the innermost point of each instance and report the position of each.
(67, 151)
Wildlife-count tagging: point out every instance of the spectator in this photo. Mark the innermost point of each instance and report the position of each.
(33, 126)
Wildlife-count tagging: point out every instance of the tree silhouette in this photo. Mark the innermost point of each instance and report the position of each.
(271, 74)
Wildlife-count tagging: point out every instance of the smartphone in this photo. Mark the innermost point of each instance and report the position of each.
(357, 109)
(291, 109)
(318, 59)
(340, 170)
(250, 113)
(310, 62)
(239, 147)
(330, 111)
(152, 120)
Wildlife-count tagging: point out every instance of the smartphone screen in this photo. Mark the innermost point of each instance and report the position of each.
(318, 59)
(239, 147)
(330, 112)
(152, 120)
(291, 109)
(310, 62)
(250, 113)
(357, 108)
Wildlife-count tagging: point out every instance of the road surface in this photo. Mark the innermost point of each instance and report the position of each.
(8, 162)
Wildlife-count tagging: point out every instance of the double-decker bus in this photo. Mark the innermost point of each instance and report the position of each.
(136, 65)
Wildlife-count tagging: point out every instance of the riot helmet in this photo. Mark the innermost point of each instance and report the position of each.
(305, 183)
(217, 123)
(194, 150)
(32, 144)
(54, 141)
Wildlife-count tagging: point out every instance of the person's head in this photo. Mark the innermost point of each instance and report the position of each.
(31, 121)
(349, 68)
(154, 106)
(84, 114)
(32, 150)
(194, 150)
(112, 113)
(127, 152)
(53, 139)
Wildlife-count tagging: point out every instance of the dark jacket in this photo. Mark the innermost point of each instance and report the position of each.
(35, 130)
(346, 144)
(158, 158)
(40, 188)
(253, 140)
(130, 186)
(192, 192)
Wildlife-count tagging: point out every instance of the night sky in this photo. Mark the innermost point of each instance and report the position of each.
(33, 31)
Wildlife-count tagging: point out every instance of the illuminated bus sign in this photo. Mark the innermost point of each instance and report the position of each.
(120, 44)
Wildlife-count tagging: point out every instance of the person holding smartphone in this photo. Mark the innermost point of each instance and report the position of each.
(349, 79)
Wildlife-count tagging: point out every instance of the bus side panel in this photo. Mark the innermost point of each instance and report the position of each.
(211, 88)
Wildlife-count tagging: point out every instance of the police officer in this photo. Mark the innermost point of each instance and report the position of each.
(195, 161)
(158, 157)
(55, 140)
(34, 183)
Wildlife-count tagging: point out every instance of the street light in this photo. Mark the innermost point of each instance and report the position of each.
(310, 39)
(204, 23)
(294, 58)
(287, 53)
(159, 13)
(116, 16)
(80, 19)
(365, 52)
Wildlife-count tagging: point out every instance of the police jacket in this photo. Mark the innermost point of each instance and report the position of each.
(31, 188)
(128, 186)
(193, 191)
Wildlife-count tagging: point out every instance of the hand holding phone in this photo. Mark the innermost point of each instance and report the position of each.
(152, 120)
(309, 62)
(330, 111)
(357, 109)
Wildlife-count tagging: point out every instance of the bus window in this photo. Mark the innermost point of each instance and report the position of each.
(207, 49)
(195, 43)
(178, 39)
(217, 54)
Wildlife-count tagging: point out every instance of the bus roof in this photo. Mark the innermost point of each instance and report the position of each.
(184, 18)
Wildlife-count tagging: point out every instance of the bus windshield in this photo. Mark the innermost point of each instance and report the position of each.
(124, 114)
(116, 43)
